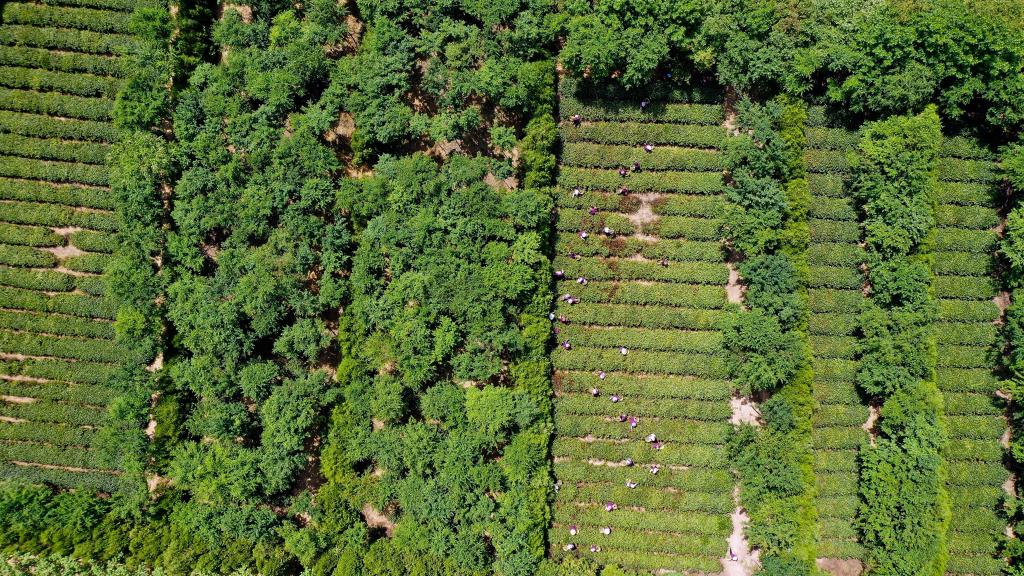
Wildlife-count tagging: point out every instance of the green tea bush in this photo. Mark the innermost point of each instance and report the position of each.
(75, 18)
(47, 193)
(662, 181)
(67, 129)
(638, 134)
(55, 104)
(72, 304)
(63, 82)
(65, 39)
(28, 57)
(50, 149)
(29, 235)
(587, 155)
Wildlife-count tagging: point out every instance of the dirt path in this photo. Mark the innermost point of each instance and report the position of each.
(747, 561)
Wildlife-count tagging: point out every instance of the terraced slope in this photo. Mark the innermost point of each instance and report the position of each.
(655, 286)
(59, 73)
(965, 288)
(835, 299)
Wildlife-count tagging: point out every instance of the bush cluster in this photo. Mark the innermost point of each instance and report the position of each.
(767, 229)
(904, 512)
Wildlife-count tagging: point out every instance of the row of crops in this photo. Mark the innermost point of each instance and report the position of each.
(968, 341)
(835, 298)
(966, 291)
(59, 74)
(642, 401)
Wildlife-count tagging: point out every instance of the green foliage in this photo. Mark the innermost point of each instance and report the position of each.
(449, 283)
(628, 41)
(441, 72)
(904, 511)
(769, 353)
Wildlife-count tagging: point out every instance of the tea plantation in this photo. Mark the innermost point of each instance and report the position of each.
(59, 72)
(511, 288)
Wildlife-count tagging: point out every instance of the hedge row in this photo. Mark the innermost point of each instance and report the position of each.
(104, 21)
(715, 483)
(74, 83)
(684, 227)
(849, 256)
(646, 561)
(670, 455)
(85, 394)
(55, 216)
(55, 104)
(26, 257)
(588, 405)
(50, 149)
(650, 386)
(65, 39)
(89, 349)
(653, 539)
(971, 217)
(52, 433)
(827, 300)
(121, 5)
(42, 58)
(586, 155)
(592, 516)
(833, 209)
(674, 250)
(965, 287)
(642, 361)
(965, 194)
(832, 324)
(610, 181)
(676, 295)
(685, 205)
(48, 193)
(62, 172)
(43, 280)
(833, 231)
(827, 186)
(957, 170)
(685, 431)
(94, 263)
(627, 269)
(59, 128)
(962, 264)
(629, 111)
(638, 134)
(642, 316)
(101, 482)
(653, 501)
(29, 235)
(72, 304)
(59, 370)
(51, 455)
(831, 138)
(55, 324)
(55, 412)
(643, 339)
(581, 221)
(94, 241)
(955, 239)
(835, 277)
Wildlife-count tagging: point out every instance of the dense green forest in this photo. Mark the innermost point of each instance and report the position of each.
(511, 287)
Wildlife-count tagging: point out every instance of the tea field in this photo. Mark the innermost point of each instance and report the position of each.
(642, 397)
(59, 74)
